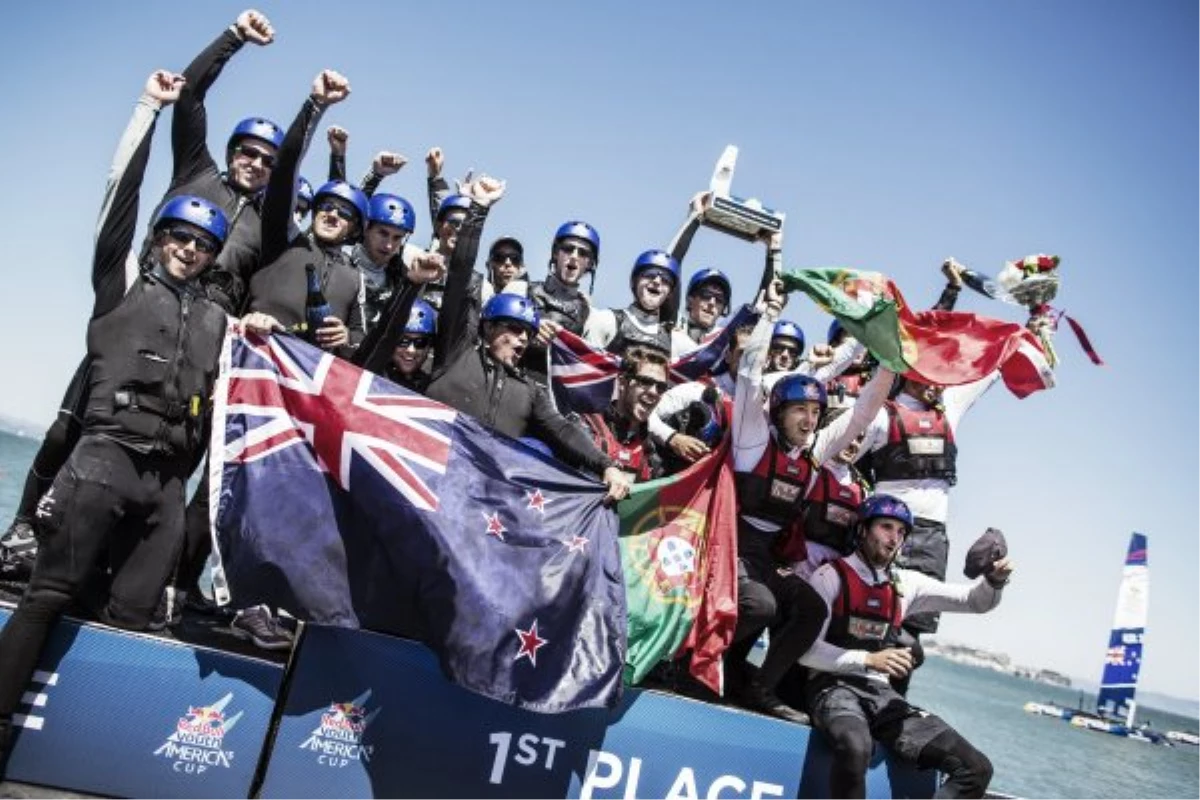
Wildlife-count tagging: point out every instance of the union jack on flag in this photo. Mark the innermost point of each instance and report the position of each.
(282, 397)
(1115, 656)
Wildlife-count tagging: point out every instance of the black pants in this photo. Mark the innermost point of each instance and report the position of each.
(197, 539)
(104, 499)
(925, 550)
(772, 595)
(852, 718)
(60, 439)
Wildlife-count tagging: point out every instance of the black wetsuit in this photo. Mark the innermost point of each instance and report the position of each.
(466, 377)
(154, 354)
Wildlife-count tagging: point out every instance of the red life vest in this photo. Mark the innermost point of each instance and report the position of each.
(863, 617)
(849, 384)
(832, 511)
(631, 455)
(920, 444)
(774, 490)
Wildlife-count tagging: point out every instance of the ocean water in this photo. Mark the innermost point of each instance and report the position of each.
(1037, 756)
(1034, 756)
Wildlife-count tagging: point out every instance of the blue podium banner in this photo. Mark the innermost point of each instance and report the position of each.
(130, 715)
(368, 715)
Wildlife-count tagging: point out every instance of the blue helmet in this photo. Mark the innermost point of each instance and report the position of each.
(512, 307)
(304, 190)
(452, 202)
(795, 388)
(422, 319)
(392, 209)
(256, 128)
(579, 230)
(885, 505)
(344, 191)
(788, 330)
(709, 275)
(194, 211)
(835, 330)
(652, 259)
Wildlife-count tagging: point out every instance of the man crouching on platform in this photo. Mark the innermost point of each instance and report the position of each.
(849, 696)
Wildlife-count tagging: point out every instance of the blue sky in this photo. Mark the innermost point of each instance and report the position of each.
(893, 135)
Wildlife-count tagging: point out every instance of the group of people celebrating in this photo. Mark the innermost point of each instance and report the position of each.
(843, 468)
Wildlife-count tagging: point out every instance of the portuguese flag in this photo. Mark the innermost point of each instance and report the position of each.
(946, 348)
(679, 554)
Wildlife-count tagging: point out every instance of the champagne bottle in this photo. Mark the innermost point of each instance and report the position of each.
(316, 307)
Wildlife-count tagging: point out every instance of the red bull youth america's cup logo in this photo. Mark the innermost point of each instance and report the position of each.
(338, 740)
(198, 741)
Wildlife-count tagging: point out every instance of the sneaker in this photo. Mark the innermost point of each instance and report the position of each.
(169, 611)
(257, 625)
(758, 697)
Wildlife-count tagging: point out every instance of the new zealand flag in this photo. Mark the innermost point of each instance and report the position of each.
(349, 501)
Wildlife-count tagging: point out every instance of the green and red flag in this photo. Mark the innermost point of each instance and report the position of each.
(679, 553)
(946, 348)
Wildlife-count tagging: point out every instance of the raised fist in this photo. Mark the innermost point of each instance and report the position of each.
(426, 267)
(434, 160)
(386, 163)
(953, 272)
(254, 27)
(338, 137)
(164, 86)
(330, 87)
(485, 190)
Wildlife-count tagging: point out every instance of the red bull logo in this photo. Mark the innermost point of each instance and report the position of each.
(338, 740)
(202, 721)
(345, 717)
(197, 743)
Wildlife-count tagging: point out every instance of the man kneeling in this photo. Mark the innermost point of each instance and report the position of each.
(849, 696)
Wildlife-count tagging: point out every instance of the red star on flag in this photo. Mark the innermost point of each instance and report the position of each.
(530, 643)
(494, 528)
(537, 501)
(577, 544)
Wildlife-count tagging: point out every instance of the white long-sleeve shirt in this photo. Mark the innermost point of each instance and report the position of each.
(918, 593)
(926, 497)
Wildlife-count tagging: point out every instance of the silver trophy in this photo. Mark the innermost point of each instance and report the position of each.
(741, 217)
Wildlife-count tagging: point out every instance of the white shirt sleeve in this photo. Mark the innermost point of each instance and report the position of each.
(675, 400)
(751, 426)
(957, 400)
(600, 328)
(921, 593)
(835, 437)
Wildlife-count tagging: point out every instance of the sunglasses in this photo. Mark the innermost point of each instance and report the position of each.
(252, 153)
(338, 210)
(707, 295)
(415, 342)
(785, 348)
(500, 258)
(204, 244)
(660, 274)
(576, 250)
(649, 383)
(454, 222)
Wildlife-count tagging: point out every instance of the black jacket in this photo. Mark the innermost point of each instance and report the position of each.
(195, 172)
(466, 377)
(280, 287)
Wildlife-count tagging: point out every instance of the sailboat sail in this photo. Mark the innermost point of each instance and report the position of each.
(1123, 660)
